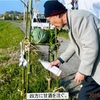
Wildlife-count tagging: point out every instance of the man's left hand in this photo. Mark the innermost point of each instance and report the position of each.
(79, 77)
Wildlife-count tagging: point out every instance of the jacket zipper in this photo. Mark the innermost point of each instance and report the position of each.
(75, 43)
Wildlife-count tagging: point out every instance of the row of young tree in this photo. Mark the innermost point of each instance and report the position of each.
(13, 15)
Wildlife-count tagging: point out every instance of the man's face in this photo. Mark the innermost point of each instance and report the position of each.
(56, 21)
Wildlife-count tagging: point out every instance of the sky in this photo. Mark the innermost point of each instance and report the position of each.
(17, 5)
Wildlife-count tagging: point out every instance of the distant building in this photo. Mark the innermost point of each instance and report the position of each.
(17, 17)
(2, 16)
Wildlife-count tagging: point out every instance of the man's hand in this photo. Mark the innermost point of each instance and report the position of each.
(79, 77)
(55, 63)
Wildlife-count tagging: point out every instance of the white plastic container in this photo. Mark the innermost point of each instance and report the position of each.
(55, 70)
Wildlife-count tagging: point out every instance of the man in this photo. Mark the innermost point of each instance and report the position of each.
(84, 33)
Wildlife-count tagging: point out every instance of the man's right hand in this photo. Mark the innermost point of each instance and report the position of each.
(55, 63)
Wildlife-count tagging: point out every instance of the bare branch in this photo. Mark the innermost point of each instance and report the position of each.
(23, 3)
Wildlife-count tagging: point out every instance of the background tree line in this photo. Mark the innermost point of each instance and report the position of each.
(13, 15)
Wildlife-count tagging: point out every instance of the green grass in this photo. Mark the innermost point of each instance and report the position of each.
(10, 35)
(10, 72)
(10, 82)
